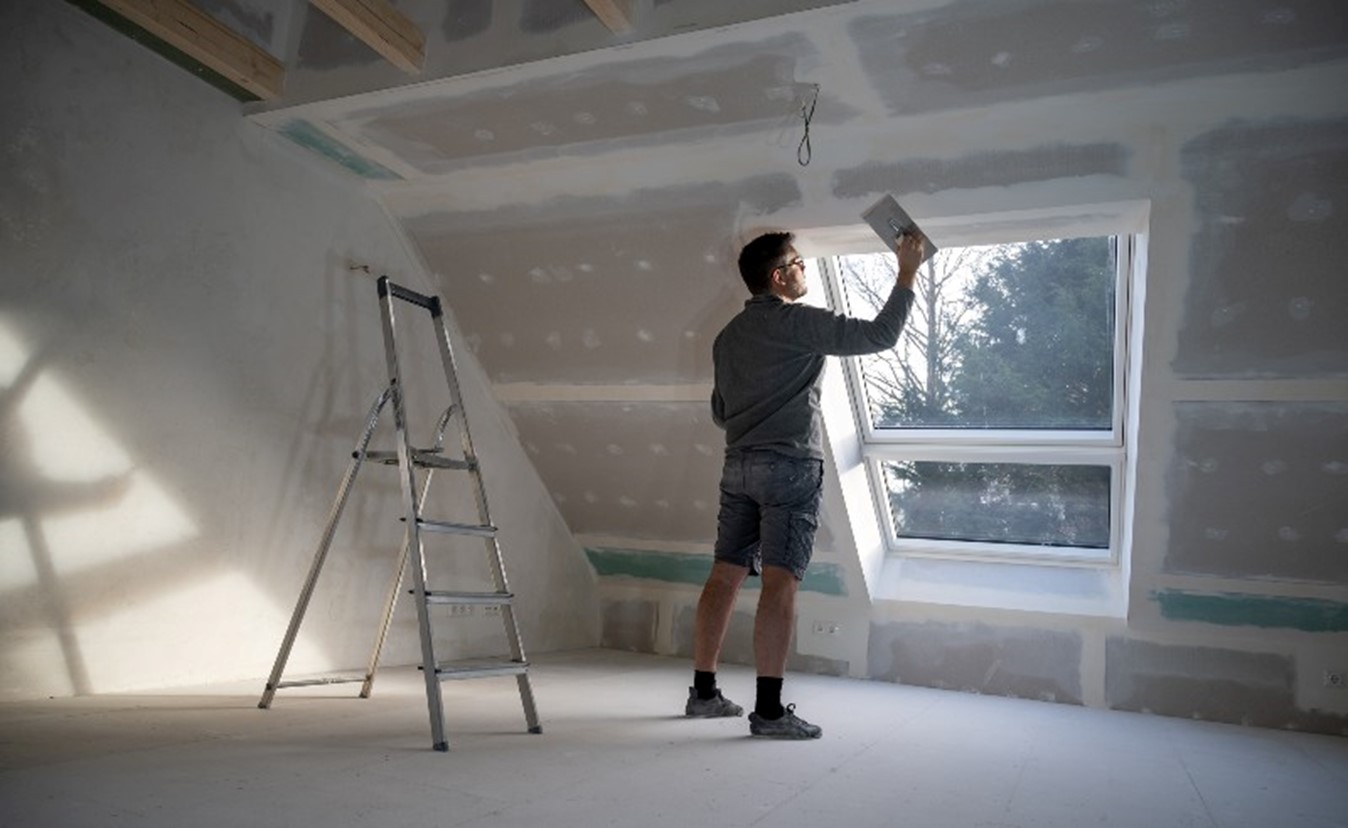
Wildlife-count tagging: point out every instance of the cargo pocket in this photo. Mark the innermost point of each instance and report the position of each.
(801, 529)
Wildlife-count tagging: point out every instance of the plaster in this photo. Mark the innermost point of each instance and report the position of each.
(465, 19)
(176, 282)
(1260, 490)
(467, 36)
(577, 259)
(1224, 685)
(1020, 662)
(999, 169)
(627, 469)
(629, 625)
(683, 568)
(325, 44)
(972, 53)
(1271, 204)
(730, 89)
(307, 135)
(545, 17)
(537, 286)
(738, 647)
(1241, 610)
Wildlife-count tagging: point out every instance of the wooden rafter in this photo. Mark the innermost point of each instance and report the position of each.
(204, 39)
(381, 27)
(616, 14)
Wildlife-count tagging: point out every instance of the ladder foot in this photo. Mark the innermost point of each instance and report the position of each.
(536, 729)
(443, 747)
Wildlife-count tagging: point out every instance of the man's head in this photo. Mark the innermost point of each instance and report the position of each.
(769, 264)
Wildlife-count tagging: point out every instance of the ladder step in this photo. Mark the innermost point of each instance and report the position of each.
(456, 528)
(424, 459)
(460, 670)
(439, 596)
(314, 682)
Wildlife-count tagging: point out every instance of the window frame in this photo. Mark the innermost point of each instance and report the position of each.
(1103, 447)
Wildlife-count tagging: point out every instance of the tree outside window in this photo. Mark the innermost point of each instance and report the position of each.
(1005, 343)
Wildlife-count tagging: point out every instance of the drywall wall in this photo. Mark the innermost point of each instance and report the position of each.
(582, 211)
(186, 361)
(585, 210)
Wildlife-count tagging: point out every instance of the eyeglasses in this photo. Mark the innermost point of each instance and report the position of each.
(796, 262)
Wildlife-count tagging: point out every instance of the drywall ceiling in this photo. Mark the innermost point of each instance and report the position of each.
(581, 212)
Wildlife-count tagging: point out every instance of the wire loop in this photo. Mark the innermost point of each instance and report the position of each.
(804, 151)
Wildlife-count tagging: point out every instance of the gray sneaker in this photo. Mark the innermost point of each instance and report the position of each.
(789, 726)
(713, 708)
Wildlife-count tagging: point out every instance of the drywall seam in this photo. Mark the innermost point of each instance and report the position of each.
(1244, 609)
(326, 143)
(527, 392)
(1179, 582)
(680, 568)
(1281, 390)
(654, 544)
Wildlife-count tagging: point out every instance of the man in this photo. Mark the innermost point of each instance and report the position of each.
(768, 362)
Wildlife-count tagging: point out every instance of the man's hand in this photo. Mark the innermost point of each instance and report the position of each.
(912, 246)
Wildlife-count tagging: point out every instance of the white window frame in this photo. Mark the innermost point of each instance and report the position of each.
(1108, 448)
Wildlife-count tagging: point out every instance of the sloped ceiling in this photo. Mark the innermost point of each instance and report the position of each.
(581, 212)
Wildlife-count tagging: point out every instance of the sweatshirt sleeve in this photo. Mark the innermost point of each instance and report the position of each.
(835, 334)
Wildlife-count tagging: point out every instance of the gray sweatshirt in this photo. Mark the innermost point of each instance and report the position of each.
(768, 362)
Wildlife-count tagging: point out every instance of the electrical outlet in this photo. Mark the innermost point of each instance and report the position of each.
(825, 628)
(1336, 679)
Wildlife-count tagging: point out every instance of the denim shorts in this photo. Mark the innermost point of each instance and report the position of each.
(769, 510)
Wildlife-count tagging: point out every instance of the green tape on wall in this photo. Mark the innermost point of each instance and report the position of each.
(1239, 610)
(686, 568)
(315, 140)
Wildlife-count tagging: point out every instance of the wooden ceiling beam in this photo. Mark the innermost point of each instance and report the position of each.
(381, 27)
(206, 40)
(616, 14)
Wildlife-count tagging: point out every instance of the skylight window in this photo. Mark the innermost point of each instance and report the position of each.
(995, 429)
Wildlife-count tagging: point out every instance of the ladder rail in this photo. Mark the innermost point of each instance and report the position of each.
(515, 641)
(407, 482)
(321, 554)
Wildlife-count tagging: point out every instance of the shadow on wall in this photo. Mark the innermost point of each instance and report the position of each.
(60, 476)
(27, 494)
(96, 557)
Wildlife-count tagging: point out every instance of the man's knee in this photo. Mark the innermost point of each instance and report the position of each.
(726, 575)
(778, 580)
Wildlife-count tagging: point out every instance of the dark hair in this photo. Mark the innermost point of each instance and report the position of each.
(762, 256)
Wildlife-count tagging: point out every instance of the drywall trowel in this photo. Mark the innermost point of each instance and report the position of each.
(889, 221)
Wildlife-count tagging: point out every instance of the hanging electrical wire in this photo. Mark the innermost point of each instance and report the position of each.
(804, 151)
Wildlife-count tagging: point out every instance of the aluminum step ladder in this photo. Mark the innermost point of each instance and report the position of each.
(426, 462)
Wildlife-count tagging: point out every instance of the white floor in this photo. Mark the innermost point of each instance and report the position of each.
(616, 751)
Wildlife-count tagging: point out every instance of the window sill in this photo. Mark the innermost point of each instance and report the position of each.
(1023, 587)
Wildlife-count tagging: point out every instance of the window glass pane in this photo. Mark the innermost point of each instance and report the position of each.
(1011, 336)
(1000, 502)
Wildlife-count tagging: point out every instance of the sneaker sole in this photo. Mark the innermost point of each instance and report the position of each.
(787, 737)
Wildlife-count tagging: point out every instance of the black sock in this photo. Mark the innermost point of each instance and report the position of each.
(704, 683)
(769, 702)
